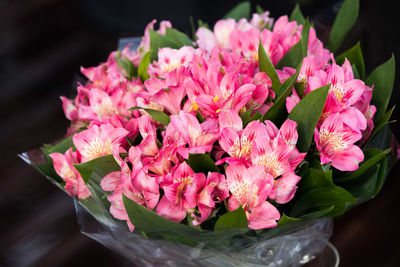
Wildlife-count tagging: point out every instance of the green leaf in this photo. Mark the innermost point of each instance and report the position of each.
(172, 38)
(355, 56)
(156, 226)
(179, 37)
(127, 66)
(265, 65)
(320, 198)
(144, 64)
(159, 116)
(202, 163)
(241, 10)
(383, 80)
(372, 157)
(259, 9)
(234, 219)
(344, 21)
(277, 113)
(201, 23)
(199, 117)
(296, 15)
(97, 168)
(284, 220)
(294, 56)
(380, 125)
(319, 213)
(61, 147)
(313, 178)
(307, 113)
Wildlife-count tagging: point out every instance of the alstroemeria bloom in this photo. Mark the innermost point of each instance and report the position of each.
(98, 141)
(200, 137)
(220, 37)
(74, 183)
(276, 149)
(170, 59)
(180, 192)
(250, 188)
(336, 142)
(240, 144)
(285, 188)
(214, 191)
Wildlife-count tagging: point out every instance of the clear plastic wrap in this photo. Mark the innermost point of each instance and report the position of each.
(293, 249)
(290, 245)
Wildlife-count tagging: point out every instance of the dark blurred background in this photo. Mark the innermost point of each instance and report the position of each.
(42, 45)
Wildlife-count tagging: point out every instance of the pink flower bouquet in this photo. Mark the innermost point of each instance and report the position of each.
(249, 132)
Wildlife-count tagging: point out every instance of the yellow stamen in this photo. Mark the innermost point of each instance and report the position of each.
(216, 98)
(218, 111)
(194, 106)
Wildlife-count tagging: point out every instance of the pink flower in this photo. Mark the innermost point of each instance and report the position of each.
(336, 142)
(260, 21)
(239, 145)
(250, 188)
(285, 188)
(220, 37)
(74, 183)
(98, 141)
(214, 191)
(180, 192)
(170, 59)
(200, 137)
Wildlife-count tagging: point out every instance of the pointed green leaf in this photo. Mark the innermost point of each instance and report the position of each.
(259, 9)
(159, 116)
(383, 80)
(127, 66)
(144, 64)
(97, 168)
(265, 65)
(344, 21)
(287, 220)
(154, 225)
(277, 113)
(312, 178)
(320, 198)
(202, 163)
(234, 219)
(172, 38)
(294, 56)
(307, 113)
(241, 10)
(355, 56)
(322, 212)
(296, 15)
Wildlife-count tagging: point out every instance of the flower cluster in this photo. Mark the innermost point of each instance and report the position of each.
(204, 91)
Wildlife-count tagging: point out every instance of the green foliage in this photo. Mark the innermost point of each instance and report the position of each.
(355, 56)
(127, 66)
(277, 112)
(159, 116)
(307, 113)
(296, 54)
(172, 38)
(202, 163)
(241, 10)
(296, 15)
(144, 64)
(97, 168)
(344, 21)
(383, 80)
(265, 65)
(234, 219)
